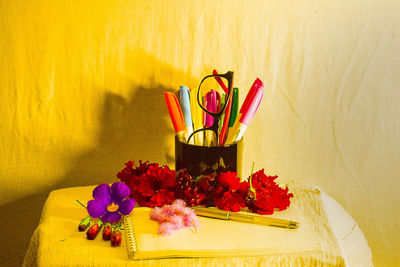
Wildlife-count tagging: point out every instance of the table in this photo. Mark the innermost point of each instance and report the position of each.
(56, 241)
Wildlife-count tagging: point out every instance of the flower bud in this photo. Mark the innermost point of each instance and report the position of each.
(116, 237)
(92, 232)
(107, 231)
(84, 224)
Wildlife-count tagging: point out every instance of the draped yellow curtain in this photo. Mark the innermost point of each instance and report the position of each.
(82, 82)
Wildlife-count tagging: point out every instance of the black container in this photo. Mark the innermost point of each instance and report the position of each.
(200, 160)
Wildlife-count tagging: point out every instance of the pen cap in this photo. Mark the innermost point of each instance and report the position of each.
(184, 97)
(235, 106)
(256, 85)
(252, 108)
(175, 111)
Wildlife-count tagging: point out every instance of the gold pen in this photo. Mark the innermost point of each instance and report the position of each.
(245, 217)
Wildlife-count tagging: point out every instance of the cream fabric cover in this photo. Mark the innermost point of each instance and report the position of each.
(56, 241)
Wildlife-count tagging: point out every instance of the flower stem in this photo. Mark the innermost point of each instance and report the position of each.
(81, 204)
(251, 175)
(251, 188)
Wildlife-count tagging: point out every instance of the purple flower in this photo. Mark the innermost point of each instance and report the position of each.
(109, 203)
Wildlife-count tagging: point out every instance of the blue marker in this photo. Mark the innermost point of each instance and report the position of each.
(184, 99)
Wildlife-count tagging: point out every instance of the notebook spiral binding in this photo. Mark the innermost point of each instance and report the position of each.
(131, 245)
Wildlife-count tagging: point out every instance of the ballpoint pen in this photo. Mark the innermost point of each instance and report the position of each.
(234, 109)
(197, 118)
(248, 114)
(245, 217)
(211, 105)
(176, 115)
(257, 84)
(184, 99)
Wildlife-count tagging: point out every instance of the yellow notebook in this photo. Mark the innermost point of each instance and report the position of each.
(217, 238)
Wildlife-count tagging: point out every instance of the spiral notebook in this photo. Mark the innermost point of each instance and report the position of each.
(216, 238)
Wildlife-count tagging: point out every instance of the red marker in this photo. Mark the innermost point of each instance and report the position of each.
(224, 130)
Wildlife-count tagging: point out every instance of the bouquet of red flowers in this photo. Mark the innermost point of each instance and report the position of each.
(154, 186)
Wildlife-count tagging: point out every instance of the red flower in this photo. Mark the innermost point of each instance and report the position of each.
(207, 184)
(128, 174)
(187, 189)
(284, 198)
(150, 184)
(268, 195)
(230, 193)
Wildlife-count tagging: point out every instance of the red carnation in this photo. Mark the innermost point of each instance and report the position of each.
(265, 195)
(128, 174)
(230, 193)
(150, 184)
(284, 198)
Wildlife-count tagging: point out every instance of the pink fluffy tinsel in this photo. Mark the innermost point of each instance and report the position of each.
(174, 217)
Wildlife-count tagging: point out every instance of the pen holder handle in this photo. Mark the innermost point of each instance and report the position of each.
(200, 160)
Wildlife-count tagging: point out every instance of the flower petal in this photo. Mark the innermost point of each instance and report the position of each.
(102, 192)
(126, 206)
(96, 208)
(119, 191)
(228, 180)
(111, 217)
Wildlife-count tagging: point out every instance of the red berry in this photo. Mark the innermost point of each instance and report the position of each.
(116, 238)
(107, 232)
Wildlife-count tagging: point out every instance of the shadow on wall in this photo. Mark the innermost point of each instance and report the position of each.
(128, 126)
(131, 129)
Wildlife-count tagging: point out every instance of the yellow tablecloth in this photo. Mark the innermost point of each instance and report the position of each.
(56, 241)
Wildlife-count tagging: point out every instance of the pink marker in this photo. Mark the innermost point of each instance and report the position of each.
(248, 114)
(248, 109)
(211, 105)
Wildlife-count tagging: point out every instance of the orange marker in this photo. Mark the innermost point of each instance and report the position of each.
(176, 115)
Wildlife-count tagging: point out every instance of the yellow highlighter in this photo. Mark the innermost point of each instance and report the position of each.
(197, 118)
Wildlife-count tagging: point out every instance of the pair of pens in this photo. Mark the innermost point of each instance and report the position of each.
(181, 115)
(247, 111)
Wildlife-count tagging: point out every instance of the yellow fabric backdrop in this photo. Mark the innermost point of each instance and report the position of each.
(82, 82)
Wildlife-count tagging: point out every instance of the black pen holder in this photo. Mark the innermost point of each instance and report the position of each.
(200, 160)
